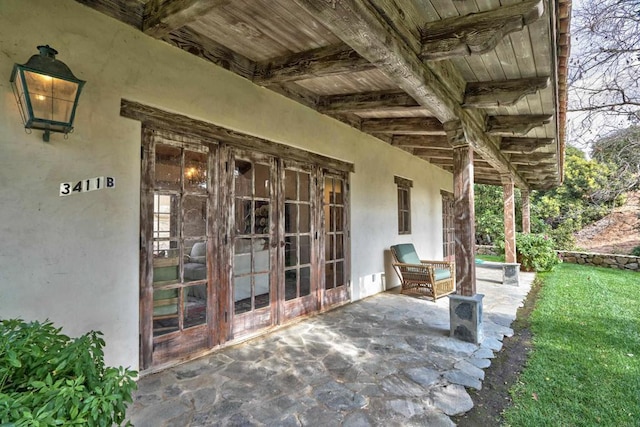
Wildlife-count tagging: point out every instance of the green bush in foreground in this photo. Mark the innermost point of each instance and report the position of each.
(47, 378)
(536, 252)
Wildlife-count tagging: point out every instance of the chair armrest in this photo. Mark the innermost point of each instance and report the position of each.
(424, 267)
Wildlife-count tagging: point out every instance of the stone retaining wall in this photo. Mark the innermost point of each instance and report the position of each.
(622, 262)
(486, 250)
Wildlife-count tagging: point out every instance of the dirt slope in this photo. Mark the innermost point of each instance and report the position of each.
(617, 233)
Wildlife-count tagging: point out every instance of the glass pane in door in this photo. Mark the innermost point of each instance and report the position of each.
(297, 221)
(180, 213)
(252, 229)
(334, 221)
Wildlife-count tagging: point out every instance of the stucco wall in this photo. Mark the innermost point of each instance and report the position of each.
(74, 259)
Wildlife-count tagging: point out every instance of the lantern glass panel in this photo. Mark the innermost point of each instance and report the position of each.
(22, 98)
(51, 98)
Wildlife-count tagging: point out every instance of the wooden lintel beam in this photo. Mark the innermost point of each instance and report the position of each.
(360, 102)
(523, 145)
(421, 141)
(477, 32)
(163, 16)
(501, 93)
(320, 62)
(516, 125)
(404, 126)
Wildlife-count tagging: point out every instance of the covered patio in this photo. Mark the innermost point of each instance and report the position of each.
(385, 360)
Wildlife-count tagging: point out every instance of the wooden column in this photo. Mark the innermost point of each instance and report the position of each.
(464, 211)
(509, 220)
(526, 212)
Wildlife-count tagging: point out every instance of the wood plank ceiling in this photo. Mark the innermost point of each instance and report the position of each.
(396, 69)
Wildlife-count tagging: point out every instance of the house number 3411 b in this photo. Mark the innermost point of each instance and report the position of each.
(86, 185)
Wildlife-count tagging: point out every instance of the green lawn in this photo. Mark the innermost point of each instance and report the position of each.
(584, 369)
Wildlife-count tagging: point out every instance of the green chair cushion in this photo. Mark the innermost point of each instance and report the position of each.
(442, 273)
(406, 253)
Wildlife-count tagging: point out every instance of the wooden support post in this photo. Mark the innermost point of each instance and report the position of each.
(526, 212)
(509, 220)
(464, 212)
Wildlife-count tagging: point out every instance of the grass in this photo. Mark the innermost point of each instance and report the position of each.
(584, 369)
(494, 258)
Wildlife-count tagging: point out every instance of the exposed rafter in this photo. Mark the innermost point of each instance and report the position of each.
(163, 16)
(205, 48)
(477, 32)
(404, 126)
(369, 101)
(523, 145)
(433, 153)
(421, 141)
(516, 125)
(501, 93)
(362, 27)
(321, 62)
(533, 159)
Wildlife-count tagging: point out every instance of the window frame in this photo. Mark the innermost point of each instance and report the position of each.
(404, 204)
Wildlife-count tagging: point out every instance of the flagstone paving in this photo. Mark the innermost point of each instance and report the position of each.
(386, 360)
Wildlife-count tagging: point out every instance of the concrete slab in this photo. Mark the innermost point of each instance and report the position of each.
(384, 361)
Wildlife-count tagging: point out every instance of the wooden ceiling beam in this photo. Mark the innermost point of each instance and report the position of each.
(205, 48)
(536, 169)
(369, 101)
(375, 36)
(163, 16)
(532, 159)
(523, 145)
(421, 141)
(501, 93)
(404, 126)
(320, 62)
(431, 153)
(131, 14)
(516, 125)
(477, 32)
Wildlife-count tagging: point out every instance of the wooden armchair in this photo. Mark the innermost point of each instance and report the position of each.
(433, 279)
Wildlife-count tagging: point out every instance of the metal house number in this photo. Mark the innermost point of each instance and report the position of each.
(86, 185)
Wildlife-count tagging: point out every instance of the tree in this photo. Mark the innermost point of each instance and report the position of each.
(584, 198)
(622, 150)
(604, 91)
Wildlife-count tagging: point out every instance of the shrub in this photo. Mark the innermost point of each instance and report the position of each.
(47, 378)
(636, 251)
(536, 252)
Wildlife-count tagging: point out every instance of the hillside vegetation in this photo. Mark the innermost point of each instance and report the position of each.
(596, 208)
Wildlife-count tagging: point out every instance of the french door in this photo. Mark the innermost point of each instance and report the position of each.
(448, 227)
(177, 207)
(233, 242)
(301, 244)
(254, 242)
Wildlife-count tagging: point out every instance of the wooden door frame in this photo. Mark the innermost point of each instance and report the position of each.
(311, 303)
(150, 137)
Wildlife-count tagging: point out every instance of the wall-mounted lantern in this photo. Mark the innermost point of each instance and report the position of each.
(47, 93)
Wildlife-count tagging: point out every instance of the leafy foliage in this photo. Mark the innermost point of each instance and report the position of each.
(636, 251)
(536, 252)
(47, 378)
(591, 189)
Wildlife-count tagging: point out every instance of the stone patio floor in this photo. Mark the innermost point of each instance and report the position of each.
(386, 360)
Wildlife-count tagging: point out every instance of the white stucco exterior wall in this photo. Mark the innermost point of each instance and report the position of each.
(74, 260)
